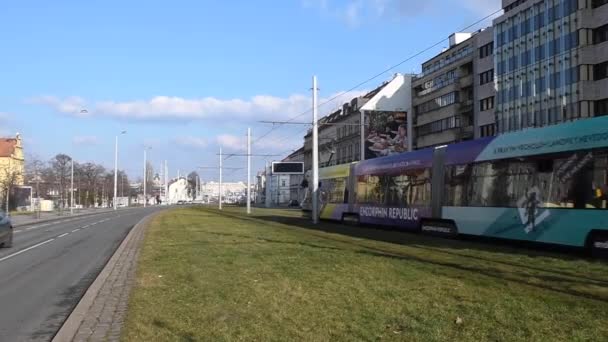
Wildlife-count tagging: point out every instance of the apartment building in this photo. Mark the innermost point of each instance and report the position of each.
(453, 97)
(551, 62)
(388, 105)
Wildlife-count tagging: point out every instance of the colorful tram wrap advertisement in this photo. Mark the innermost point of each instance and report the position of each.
(333, 191)
(546, 184)
(407, 218)
(395, 190)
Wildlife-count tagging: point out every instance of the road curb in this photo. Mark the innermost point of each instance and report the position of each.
(70, 327)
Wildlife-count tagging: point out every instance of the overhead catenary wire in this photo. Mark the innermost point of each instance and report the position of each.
(272, 129)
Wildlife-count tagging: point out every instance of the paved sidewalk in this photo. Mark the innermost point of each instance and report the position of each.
(100, 314)
(22, 220)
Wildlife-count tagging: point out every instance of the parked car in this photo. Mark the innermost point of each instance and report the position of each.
(6, 231)
(294, 203)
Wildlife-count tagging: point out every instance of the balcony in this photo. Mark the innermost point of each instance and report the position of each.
(445, 62)
(467, 132)
(465, 106)
(437, 86)
(466, 81)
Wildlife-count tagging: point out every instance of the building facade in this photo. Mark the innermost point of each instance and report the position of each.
(551, 62)
(340, 132)
(453, 97)
(12, 166)
(296, 192)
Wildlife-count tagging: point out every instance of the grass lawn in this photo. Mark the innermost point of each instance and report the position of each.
(206, 275)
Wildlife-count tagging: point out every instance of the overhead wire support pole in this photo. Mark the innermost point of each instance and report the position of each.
(315, 154)
(248, 171)
(220, 194)
(72, 189)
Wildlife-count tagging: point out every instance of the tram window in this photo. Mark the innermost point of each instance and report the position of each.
(571, 180)
(412, 188)
(333, 190)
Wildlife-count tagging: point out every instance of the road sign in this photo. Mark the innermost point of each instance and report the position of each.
(288, 168)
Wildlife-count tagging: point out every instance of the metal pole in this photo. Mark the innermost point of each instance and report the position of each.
(315, 154)
(115, 173)
(145, 174)
(72, 190)
(248, 171)
(267, 184)
(38, 192)
(220, 196)
(8, 197)
(8, 188)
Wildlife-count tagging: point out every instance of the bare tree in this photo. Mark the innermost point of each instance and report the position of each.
(90, 174)
(61, 166)
(34, 174)
(8, 179)
(193, 179)
(149, 177)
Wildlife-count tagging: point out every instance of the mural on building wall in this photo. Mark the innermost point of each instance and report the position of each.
(386, 134)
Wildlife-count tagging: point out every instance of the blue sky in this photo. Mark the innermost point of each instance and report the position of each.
(185, 76)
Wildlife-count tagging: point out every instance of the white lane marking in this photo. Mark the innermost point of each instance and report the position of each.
(25, 250)
(16, 231)
(30, 228)
(85, 227)
(62, 235)
(75, 230)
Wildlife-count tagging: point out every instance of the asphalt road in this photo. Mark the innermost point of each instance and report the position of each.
(50, 267)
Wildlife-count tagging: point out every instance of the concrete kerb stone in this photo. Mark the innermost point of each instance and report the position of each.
(70, 328)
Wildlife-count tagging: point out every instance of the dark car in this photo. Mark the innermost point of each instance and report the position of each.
(294, 203)
(6, 231)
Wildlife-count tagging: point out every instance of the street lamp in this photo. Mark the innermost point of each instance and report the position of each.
(116, 170)
(146, 148)
(72, 188)
(82, 111)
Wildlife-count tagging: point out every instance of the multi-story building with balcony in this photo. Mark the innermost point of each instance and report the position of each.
(453, 97)
(551, 62)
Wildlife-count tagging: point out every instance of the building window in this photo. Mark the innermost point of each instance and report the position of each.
(486, 104)
(486, 77)
(439, 126)
(486, 50)
(487, 130)
(600, 34)
(601, 107)
(437, 103)
(600, 71)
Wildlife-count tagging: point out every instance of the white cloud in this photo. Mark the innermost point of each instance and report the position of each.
(352, 12)
(260, 107)
(355, 12)
(88, 140)
(482, 7)
(232, 142)
(72, 105)
(191, 142)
